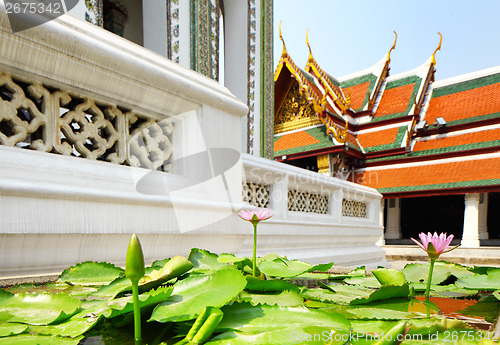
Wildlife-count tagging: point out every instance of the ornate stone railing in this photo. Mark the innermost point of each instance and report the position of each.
(307, 202)
(295, 193)
(256, 194)
(41, 117)
(351, 208)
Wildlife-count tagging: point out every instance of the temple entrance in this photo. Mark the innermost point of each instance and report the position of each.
(309, 163)
(430, 214)
(494, 217)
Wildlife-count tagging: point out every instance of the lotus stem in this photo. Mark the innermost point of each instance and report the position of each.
(428, 289)
(254, 268)
(137, 313)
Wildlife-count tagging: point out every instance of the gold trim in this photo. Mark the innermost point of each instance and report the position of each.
(323, 162)
(388, 58)
(433, 58)
(298, 124)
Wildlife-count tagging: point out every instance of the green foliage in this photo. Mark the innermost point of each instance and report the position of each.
(284, 299)
(418, 273)
(31, 339)
(191, 295)
(94, 299)
(490, 281)
(90, 274)
(37, 309)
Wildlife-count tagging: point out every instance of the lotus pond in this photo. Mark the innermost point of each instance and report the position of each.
(215, 299)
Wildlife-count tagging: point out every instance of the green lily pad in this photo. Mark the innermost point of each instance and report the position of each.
(487, 307)
(87, 317)
(173, 268)
(263, 324)
(284, 299)
(90, 273)
(386, 276)
(369, 282)
(32, 339)
(38, 309)
(78, 291)
(327, 296)
(261, 286)
(229, 259)
(418, 273)
(284, 268)
(205, 261)
(357, 272)
(385, 292)
(111, 290)
(489, 282)
(9, 329)
(497, 294)
(191, 295)
(125, 305)
(157, 264)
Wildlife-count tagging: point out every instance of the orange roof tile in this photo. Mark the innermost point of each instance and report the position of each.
(297, 139)
(467, 138)
(358, 94)
(461, 105)
(462, 171)
(395, 100)
(387, 136)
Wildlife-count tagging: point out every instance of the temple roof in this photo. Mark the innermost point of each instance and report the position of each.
(419, 135)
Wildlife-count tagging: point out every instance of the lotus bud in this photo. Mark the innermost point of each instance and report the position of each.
(134, 264)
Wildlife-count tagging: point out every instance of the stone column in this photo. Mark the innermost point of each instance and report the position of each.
(483, 217)
(470, 238)
(393, 230)
(381, 240)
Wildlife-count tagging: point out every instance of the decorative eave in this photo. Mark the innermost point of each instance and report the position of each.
(383, 75)
(318, 104)
(343, 103)
(429, 78)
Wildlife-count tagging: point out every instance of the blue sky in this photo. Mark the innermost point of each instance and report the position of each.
(348, 36)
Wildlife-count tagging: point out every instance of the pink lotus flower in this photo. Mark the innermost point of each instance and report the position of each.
(255, 216)
(434, 245)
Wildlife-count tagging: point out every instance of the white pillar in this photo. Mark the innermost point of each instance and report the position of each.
(155, 25)
(483, 217)
(470, 238)
(393, 230)
(381, 240)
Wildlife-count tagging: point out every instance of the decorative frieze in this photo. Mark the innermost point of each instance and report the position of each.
(252, 68)
(307, 202)
(173, 30)
(39, 117)
(351, 208)
(256, 194)
(205, 37)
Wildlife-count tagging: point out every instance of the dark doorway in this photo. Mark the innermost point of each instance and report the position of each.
(309, 163)
(430, 214)
(494, 215)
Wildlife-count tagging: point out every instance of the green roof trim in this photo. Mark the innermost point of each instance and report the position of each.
(398, 83)
(438, 186)
(393, 145)
(308, 76)
(333, 80)
(371, 78)
(466, 85)
(448, 149)
(318, 133)
(473, 119)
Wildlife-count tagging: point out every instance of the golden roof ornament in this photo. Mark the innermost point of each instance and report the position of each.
(284, 53)
(308, 46)
(433, 58)
(388, 59)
